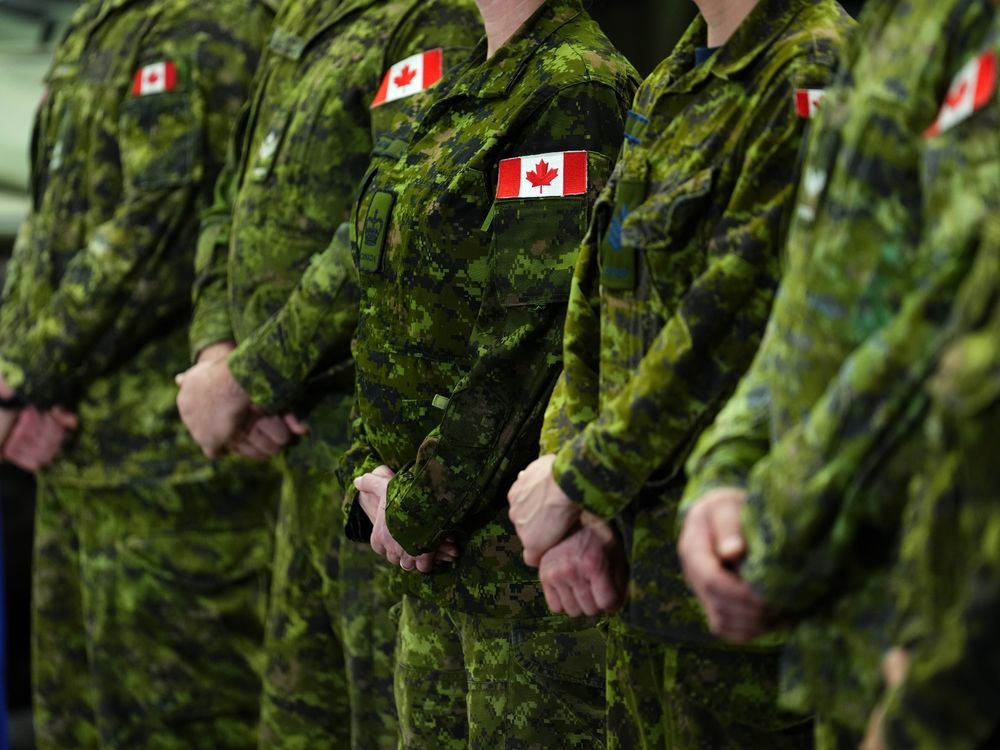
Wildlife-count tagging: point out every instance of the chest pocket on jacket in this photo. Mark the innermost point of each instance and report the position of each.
(669, 232)
(160, 138)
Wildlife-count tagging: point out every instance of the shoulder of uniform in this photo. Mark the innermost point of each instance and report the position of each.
(181, 19)
(806, 55)
(584, 54)
(816, 36)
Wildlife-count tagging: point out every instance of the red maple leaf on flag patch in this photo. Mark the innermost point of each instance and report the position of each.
(541, 175)
(954, 98)
(406, 75)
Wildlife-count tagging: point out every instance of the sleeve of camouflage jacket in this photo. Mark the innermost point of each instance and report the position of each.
(832, 488)
(575, 399)
(738, 438)
(461, 465)
(949, 697)
(122, 286)
(318, 319)
(316, 324)
(649, 425)
(811, 497)
(948, 580)
(210, 322)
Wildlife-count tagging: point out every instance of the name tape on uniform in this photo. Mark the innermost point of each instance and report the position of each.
(155, 78)
(543, 175)
(409, 76)
(972, 88)
(807, 102)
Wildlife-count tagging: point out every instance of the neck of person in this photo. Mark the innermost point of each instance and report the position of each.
(723, 17)
(502, 19)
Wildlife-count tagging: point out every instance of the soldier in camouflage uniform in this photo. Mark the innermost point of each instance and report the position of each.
(669, 299)
(943, 687)
(151, 563)
(808, 448)
(265, 285)
(466, 234)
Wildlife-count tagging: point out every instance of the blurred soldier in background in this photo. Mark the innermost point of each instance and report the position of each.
(806, 450)
(151, 563)
(274, 315)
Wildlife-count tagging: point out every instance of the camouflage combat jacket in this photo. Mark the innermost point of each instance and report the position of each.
(676, 278)
(128, 142)
(466, 232)
(947, 582)
(807, 420)
(304, 143)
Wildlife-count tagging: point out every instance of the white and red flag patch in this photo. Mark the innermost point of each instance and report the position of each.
(155, 78)
(973, 87)
(409, 77)
(543, 175)
(807, 102)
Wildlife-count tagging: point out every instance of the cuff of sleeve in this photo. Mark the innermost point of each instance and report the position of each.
(357, 525)
(210, 321)
(412, 520)
(271, 377)
(204, 333)
(590, 482)
(701, 485)
(12, 374)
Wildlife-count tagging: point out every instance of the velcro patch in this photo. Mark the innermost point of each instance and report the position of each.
(971, 89)
(543, 175)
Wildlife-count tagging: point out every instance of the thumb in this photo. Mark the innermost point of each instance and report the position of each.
(294, 425)
(383, 471)
(727, 531)
(65, 419)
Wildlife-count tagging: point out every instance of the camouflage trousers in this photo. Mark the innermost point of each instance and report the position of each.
(471, 682)
(670, 697)
(148, 614)
(330, 637)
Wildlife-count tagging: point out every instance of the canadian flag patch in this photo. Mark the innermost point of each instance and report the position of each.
(543, 175)
(807, 102)
(409, 77)
(973, 87)
(155, 78)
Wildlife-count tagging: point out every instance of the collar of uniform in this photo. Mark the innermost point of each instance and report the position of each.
(495, 77)
(753, 37)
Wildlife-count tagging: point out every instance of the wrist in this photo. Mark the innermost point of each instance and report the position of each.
(215, 351)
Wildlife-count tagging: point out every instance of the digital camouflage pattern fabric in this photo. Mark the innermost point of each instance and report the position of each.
(490, 685)
(670, 297)
(718, 697)
(97, 295)
(151, 566)
(149, 605)
(947, 582)
(463, 296)
(269, 279)
(807, 419)
(457, 349)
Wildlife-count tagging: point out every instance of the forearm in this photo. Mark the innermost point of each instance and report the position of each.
(313, 329)
(114, 295)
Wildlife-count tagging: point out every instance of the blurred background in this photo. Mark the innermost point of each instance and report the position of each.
(645, 30)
